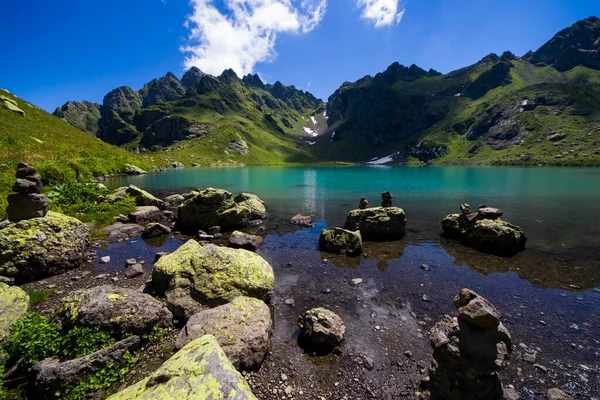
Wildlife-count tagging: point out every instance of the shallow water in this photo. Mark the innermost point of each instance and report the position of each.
(548, 294)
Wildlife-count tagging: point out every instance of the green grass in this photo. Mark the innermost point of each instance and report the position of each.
(37, 296)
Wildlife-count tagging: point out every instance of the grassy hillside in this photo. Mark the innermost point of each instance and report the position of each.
(60, 152)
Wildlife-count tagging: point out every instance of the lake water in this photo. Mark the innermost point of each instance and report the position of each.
(549, 294)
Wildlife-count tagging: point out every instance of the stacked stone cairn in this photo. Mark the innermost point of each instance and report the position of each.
(28, 202)
(386, 199)
(468, 352)
(364, 204)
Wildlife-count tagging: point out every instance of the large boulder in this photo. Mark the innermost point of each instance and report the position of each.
(200, 370)
(321, 329)
(53, 376)
(218, 207)
(142, 198)
(242, 328)
(124, 310)
(340, 241)
(143, 214)
(45, 246)
(195, 275)
(484, 230)
(14, 303)
(131, 169)
(378, 223)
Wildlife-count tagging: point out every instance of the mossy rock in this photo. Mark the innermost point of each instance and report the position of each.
(378, 223)
(340, 241)
(196, 275)
(44, 246)
(218, 207)
(142, 198)
(131, 169)
(14, 303)
(200, 370)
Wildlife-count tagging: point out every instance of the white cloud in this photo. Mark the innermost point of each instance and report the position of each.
(381, 12)
(246, 34)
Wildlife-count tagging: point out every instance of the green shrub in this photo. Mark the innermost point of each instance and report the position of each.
(81, 341)
(33, 338)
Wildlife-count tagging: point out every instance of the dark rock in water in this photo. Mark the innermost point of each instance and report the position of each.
(155, 229)
(240, 240)
(484, 230)
(467, 352)
(134, 270)
(52, 376)
(320, 329)
(125, 310)
(304, 220)
(465, 209)
(340, 241)
(377, 223)
(363, 204)
(386, 199)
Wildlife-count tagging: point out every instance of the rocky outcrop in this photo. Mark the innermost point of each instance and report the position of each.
(167, 88)
(340, 241)
(320, 330)
(377, 223)
(84, 115)
(14, 303)
(467, 352)
(142, 198)
(197, 275)
(200, 370)
(131, 169)
(172, 128)
(40, 247)
(484, 230)
(11, 105)
(241, 240)
(242, 329)
(28, 202)
(119, 99)
(191, 77)
(53, 376)
(124, 310)
(218, 207)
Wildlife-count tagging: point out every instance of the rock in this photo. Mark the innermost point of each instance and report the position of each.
(134, 270)
(377, 223)
(203, 236)
(177, 164)
(242, 329)
(155, 229)
(356, 281)
(468, 351)
(289, 302)
(195, 275)
(510, 394)
(159, 255)
(144, 214)
(304, 220)
(7, 280)
(142, 198)
(485, 231)
(131, 169)
(130, 262)
(14, 303)
(11, 105)
(340, 241)
(240, 146)
(200, 370)
(240, 240)
(555, 137)
(24, 170)
(174, 200)
(321, 329)
(386, 199)
(26, 186)
(120, 230)
(52, 376)
(557, 394)
(363, 204)
(104, 260)
(214, 229)
(125, 310)
(26, 206)
(45, 246)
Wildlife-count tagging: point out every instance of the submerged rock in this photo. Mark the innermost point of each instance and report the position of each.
(321, 329)
(218, 207)
(242, 329)
(485, 231)
(14, 303)
(378, 223)
(125, 310)
(45, 246)
(241, 240)
(200, 370)
(304, 220)
(467, 352)
(340, 241)
(195, 275)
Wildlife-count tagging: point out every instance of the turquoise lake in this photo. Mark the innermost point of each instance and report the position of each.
(549, 294)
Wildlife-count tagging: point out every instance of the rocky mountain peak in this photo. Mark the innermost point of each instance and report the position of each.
(253, 80)
(167, 88)
(228, 76)
(191, 77)
(121, 98)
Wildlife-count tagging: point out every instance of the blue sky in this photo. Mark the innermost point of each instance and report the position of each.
(64, 50)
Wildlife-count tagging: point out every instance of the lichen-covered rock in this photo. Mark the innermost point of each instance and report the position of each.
(195, 275)
(211, 207)
(241, 240)
(321, 328)
(131, 169)
(125, 310)
(142, 198)
(53, 376)
(377, 223)
(340, 241)
(199, 371)
(14, 303)
(46, 246)
(242, 329)
(485, 231)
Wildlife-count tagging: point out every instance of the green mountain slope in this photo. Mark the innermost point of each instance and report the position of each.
(59, 151)
(541, 109)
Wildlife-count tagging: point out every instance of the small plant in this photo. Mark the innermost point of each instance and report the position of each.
(2, 366)
(81, 341)
(160, 335)
(33, 338)
(36, 296)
